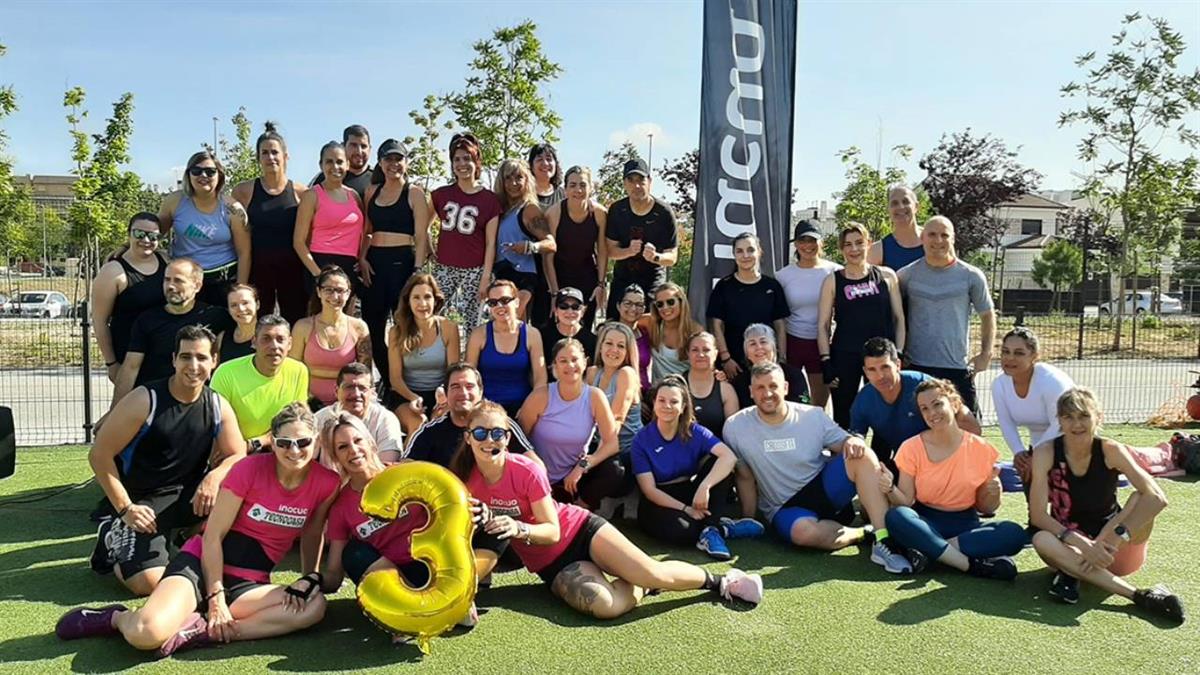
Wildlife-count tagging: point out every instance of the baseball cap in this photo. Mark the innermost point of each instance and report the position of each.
(635, 165)
(806, 228)
(391, 147)
(568, 293)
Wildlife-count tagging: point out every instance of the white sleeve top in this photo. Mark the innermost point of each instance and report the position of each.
(802, 288)
(1037, 412)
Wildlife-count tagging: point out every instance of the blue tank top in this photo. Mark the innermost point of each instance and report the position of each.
(563, 432)
(896, 256)
(206, 238)
(511, 232)
(633, 418)
(505, 376)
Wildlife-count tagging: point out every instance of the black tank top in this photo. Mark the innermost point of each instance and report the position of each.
(862, 309)
(1084, 502)
(231, 350)
(575, 260)
(173, 446)
(272, 217)
(142, 292)
(397, 217)
(710, 410)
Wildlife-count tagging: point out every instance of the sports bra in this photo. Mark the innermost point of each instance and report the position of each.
(397, 217)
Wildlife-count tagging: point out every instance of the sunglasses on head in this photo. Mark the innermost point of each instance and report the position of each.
(669, 302)
(482, 434)
(198, 171)
(570, 306)
(286, 443)
(496, 302)
(144, 234)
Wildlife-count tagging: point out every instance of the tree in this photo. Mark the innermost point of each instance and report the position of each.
(1060, 264)
(609, 179)
(865, 198)
(502, 103)
(1129, 102)
(239, 157)
(967, 177)
(17, 211)
(427, 156)
(683, 175)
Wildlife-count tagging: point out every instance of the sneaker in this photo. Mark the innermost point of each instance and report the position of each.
(1161, 601)
(712, 543)
(884, 553)
(84, 622)
(121, 541)
(194, 633)
(1064, 588)
(742, 528)
(737, 584)
(917, 559)
(471, 619)
(100, 562)
(993, 568)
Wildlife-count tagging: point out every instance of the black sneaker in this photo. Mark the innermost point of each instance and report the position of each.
(1161, 601)
(1064, 588)
(1001, 568)
(100, 562)
(918, 560)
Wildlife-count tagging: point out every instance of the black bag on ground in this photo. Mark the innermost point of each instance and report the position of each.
(1187, 452)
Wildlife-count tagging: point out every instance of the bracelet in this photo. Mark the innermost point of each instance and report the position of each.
(109, 364)
(122, 512)
(214, 594)
(1062, 536)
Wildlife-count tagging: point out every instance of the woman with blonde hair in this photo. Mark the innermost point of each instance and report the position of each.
(421, 346)
(522, 234)
(671, 324)
(615, 373)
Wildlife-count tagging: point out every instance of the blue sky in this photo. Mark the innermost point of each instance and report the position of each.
(908, 72)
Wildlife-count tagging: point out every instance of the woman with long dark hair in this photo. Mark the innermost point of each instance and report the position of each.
(329, 221)
(208, 227)
(423, 344)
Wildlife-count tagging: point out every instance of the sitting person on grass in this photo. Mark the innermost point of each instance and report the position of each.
(356, 395)
(1085, 533)
(948, 476)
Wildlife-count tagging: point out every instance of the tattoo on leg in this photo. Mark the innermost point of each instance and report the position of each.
(577, 587)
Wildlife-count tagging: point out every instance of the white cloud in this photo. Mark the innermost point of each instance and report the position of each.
(170, 179)
(639, 135)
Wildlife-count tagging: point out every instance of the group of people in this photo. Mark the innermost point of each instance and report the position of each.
(237, 431)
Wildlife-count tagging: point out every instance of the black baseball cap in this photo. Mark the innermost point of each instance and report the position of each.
(568, 293)
(806, 228)
(635, 165)
(391, 147)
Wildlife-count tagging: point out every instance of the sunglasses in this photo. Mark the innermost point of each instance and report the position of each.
(496, 302)
(570, 306)
(286, 443)
(143, 234)
(669, 302)
(198, 171)
(496, 434)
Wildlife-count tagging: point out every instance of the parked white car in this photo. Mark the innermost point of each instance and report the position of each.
(46, 304)
(1141, 305)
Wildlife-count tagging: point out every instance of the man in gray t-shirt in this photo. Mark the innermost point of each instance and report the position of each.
(940, 292)
(804, 494)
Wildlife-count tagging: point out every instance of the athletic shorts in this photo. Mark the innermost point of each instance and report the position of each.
(172, 511)
(525, 281)
(579, 549)
(189, 567)
(804, 352)
(827, 496)
(359, 555)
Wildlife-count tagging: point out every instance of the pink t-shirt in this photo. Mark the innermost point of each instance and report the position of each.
(270, 514)
(393, 539)
(523, 483)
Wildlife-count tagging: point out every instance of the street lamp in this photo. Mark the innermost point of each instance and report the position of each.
(650, 154)
(214, 145)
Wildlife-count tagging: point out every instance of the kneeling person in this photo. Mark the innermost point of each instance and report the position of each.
(166, 434)
(805, 495)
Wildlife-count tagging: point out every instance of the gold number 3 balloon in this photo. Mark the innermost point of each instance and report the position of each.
(444, 544)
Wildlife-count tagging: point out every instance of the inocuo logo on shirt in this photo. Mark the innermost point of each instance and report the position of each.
(291, 516)
(779, 444)
(373, 525)
(505, 507)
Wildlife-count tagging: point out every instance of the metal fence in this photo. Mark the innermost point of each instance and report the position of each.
(57, 388)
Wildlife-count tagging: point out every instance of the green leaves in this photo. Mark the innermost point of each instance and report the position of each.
(1059, 265)
(239, 157)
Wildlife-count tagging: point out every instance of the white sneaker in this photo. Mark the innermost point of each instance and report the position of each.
(471, 618)
(738, 584)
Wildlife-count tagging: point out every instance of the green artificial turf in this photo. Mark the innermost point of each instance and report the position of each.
(822, 612)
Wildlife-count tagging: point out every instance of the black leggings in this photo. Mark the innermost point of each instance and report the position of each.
(606, 479)
(847, 367)
(392, 267)
(672, 526)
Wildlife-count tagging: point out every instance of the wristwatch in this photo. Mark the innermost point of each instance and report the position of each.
(523, 531)
(583, 464)
(1122, 532)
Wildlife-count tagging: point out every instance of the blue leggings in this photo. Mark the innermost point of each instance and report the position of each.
(927, 529)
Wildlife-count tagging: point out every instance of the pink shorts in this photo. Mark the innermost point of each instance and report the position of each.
(803, 352)
(1129, 559)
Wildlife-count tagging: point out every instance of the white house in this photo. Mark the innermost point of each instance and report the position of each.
(1030, 225)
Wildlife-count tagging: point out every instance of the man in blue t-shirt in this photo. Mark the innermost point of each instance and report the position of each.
(887, 405)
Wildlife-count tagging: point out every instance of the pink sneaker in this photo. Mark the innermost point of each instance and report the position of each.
(194, 633)
(738, 584)
(84, 622)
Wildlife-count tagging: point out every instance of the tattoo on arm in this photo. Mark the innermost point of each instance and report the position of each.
(363, 350)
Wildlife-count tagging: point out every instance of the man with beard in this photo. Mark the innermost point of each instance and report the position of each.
(356, 395)
(165, 435)
(357, 141)
(260, 385)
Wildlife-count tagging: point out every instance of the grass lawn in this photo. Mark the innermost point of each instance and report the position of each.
(822, 612)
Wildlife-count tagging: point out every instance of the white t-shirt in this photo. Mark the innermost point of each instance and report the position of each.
(381, 422)
(1037, 412)
(802, 287)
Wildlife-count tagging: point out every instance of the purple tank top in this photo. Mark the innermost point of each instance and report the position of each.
(562, 434)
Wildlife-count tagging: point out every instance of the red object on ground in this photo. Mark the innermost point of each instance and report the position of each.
(1193, 407)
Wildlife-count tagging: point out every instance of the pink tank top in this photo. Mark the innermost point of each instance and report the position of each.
(317, 356)
(337, 229)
